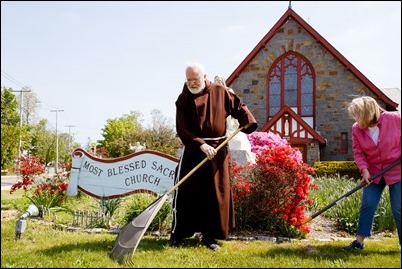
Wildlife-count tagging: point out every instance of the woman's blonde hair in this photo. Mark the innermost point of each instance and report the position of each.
(365, 110)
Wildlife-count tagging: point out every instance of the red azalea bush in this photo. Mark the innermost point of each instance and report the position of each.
(271, 194)
(43, 191)
(29, 167)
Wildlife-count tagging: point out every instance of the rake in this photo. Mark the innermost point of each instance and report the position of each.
(130, 236)
(358, 187)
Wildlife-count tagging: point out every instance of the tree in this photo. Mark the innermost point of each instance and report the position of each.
(160, 136)
(30, 107)
(9, 107)
(159, 120)
(42, 142)
(36, 138)
(119, 133)
(10, 131)
(115, 130)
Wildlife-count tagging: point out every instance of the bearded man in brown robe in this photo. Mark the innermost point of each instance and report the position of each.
(203, 202)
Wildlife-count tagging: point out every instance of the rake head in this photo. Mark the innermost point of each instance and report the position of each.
(130, 236)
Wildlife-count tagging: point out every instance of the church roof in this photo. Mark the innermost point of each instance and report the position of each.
(291, 15)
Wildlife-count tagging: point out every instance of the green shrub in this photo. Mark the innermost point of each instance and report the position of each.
(110, 205)
(139, 202)
(333, 168)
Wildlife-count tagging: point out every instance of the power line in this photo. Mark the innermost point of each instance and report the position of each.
(43, 103)
(10, 78)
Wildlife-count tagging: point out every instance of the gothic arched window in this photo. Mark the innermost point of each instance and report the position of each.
(291, 82)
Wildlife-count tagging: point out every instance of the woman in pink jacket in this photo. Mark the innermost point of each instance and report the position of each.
(376, 143)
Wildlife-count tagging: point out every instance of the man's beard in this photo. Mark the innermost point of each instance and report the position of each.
(195, 90)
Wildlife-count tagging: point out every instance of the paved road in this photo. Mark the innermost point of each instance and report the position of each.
(8, 181)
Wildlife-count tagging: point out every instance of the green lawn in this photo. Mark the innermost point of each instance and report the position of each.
(47, 245)
(43, 246)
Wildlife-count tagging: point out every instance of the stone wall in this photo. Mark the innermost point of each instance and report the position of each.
(334, 86)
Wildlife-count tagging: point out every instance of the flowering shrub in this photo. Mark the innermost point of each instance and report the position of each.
(271, 194)
(242, 185)
(29, 167)
(261, 140)
(49, 191)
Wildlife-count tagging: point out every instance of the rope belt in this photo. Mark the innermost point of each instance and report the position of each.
(215, 138)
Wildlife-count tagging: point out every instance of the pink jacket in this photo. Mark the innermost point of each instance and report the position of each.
(388, 149)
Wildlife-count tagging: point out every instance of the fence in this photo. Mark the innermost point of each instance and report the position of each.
(89, 219)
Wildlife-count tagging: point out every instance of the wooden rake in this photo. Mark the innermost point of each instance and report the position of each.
(130, 235)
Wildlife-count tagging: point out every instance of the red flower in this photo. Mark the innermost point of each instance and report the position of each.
(41, 189)
(275, 189)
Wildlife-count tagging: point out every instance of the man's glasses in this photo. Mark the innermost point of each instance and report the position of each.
(189, 80)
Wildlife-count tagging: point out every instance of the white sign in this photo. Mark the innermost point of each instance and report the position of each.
(147, 170)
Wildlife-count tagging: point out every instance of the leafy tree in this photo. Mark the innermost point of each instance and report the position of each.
(115, 131)
(35, 136)
(9, 107)
(42, 142)
(160, 136)
(122, 132)
(10, 131)
(117, 147)
(9, 145)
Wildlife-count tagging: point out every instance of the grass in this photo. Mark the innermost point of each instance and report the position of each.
(5, 195)
(45, 246)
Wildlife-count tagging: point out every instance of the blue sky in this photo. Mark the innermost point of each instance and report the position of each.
(100, 60)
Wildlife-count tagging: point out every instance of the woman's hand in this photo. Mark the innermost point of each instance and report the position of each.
(365, 176)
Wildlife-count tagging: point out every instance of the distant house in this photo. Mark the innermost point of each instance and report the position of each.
(297, 85)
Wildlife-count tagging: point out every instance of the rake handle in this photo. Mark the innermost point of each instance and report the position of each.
(358, 187)
(203, 161)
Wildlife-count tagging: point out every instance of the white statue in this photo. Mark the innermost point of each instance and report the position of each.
(239, 143)
(137, 147)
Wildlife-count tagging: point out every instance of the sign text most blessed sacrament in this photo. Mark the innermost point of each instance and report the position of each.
(147, 170)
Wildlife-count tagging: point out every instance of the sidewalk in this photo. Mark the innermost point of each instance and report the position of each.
(8, 181)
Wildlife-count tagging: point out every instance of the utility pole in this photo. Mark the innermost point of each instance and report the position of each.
(69, 137)
(56, 165)
(24, 89)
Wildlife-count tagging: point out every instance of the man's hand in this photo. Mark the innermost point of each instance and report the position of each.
(248, 125)
(208, 150)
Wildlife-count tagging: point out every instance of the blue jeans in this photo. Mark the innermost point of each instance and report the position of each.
(370, 200)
